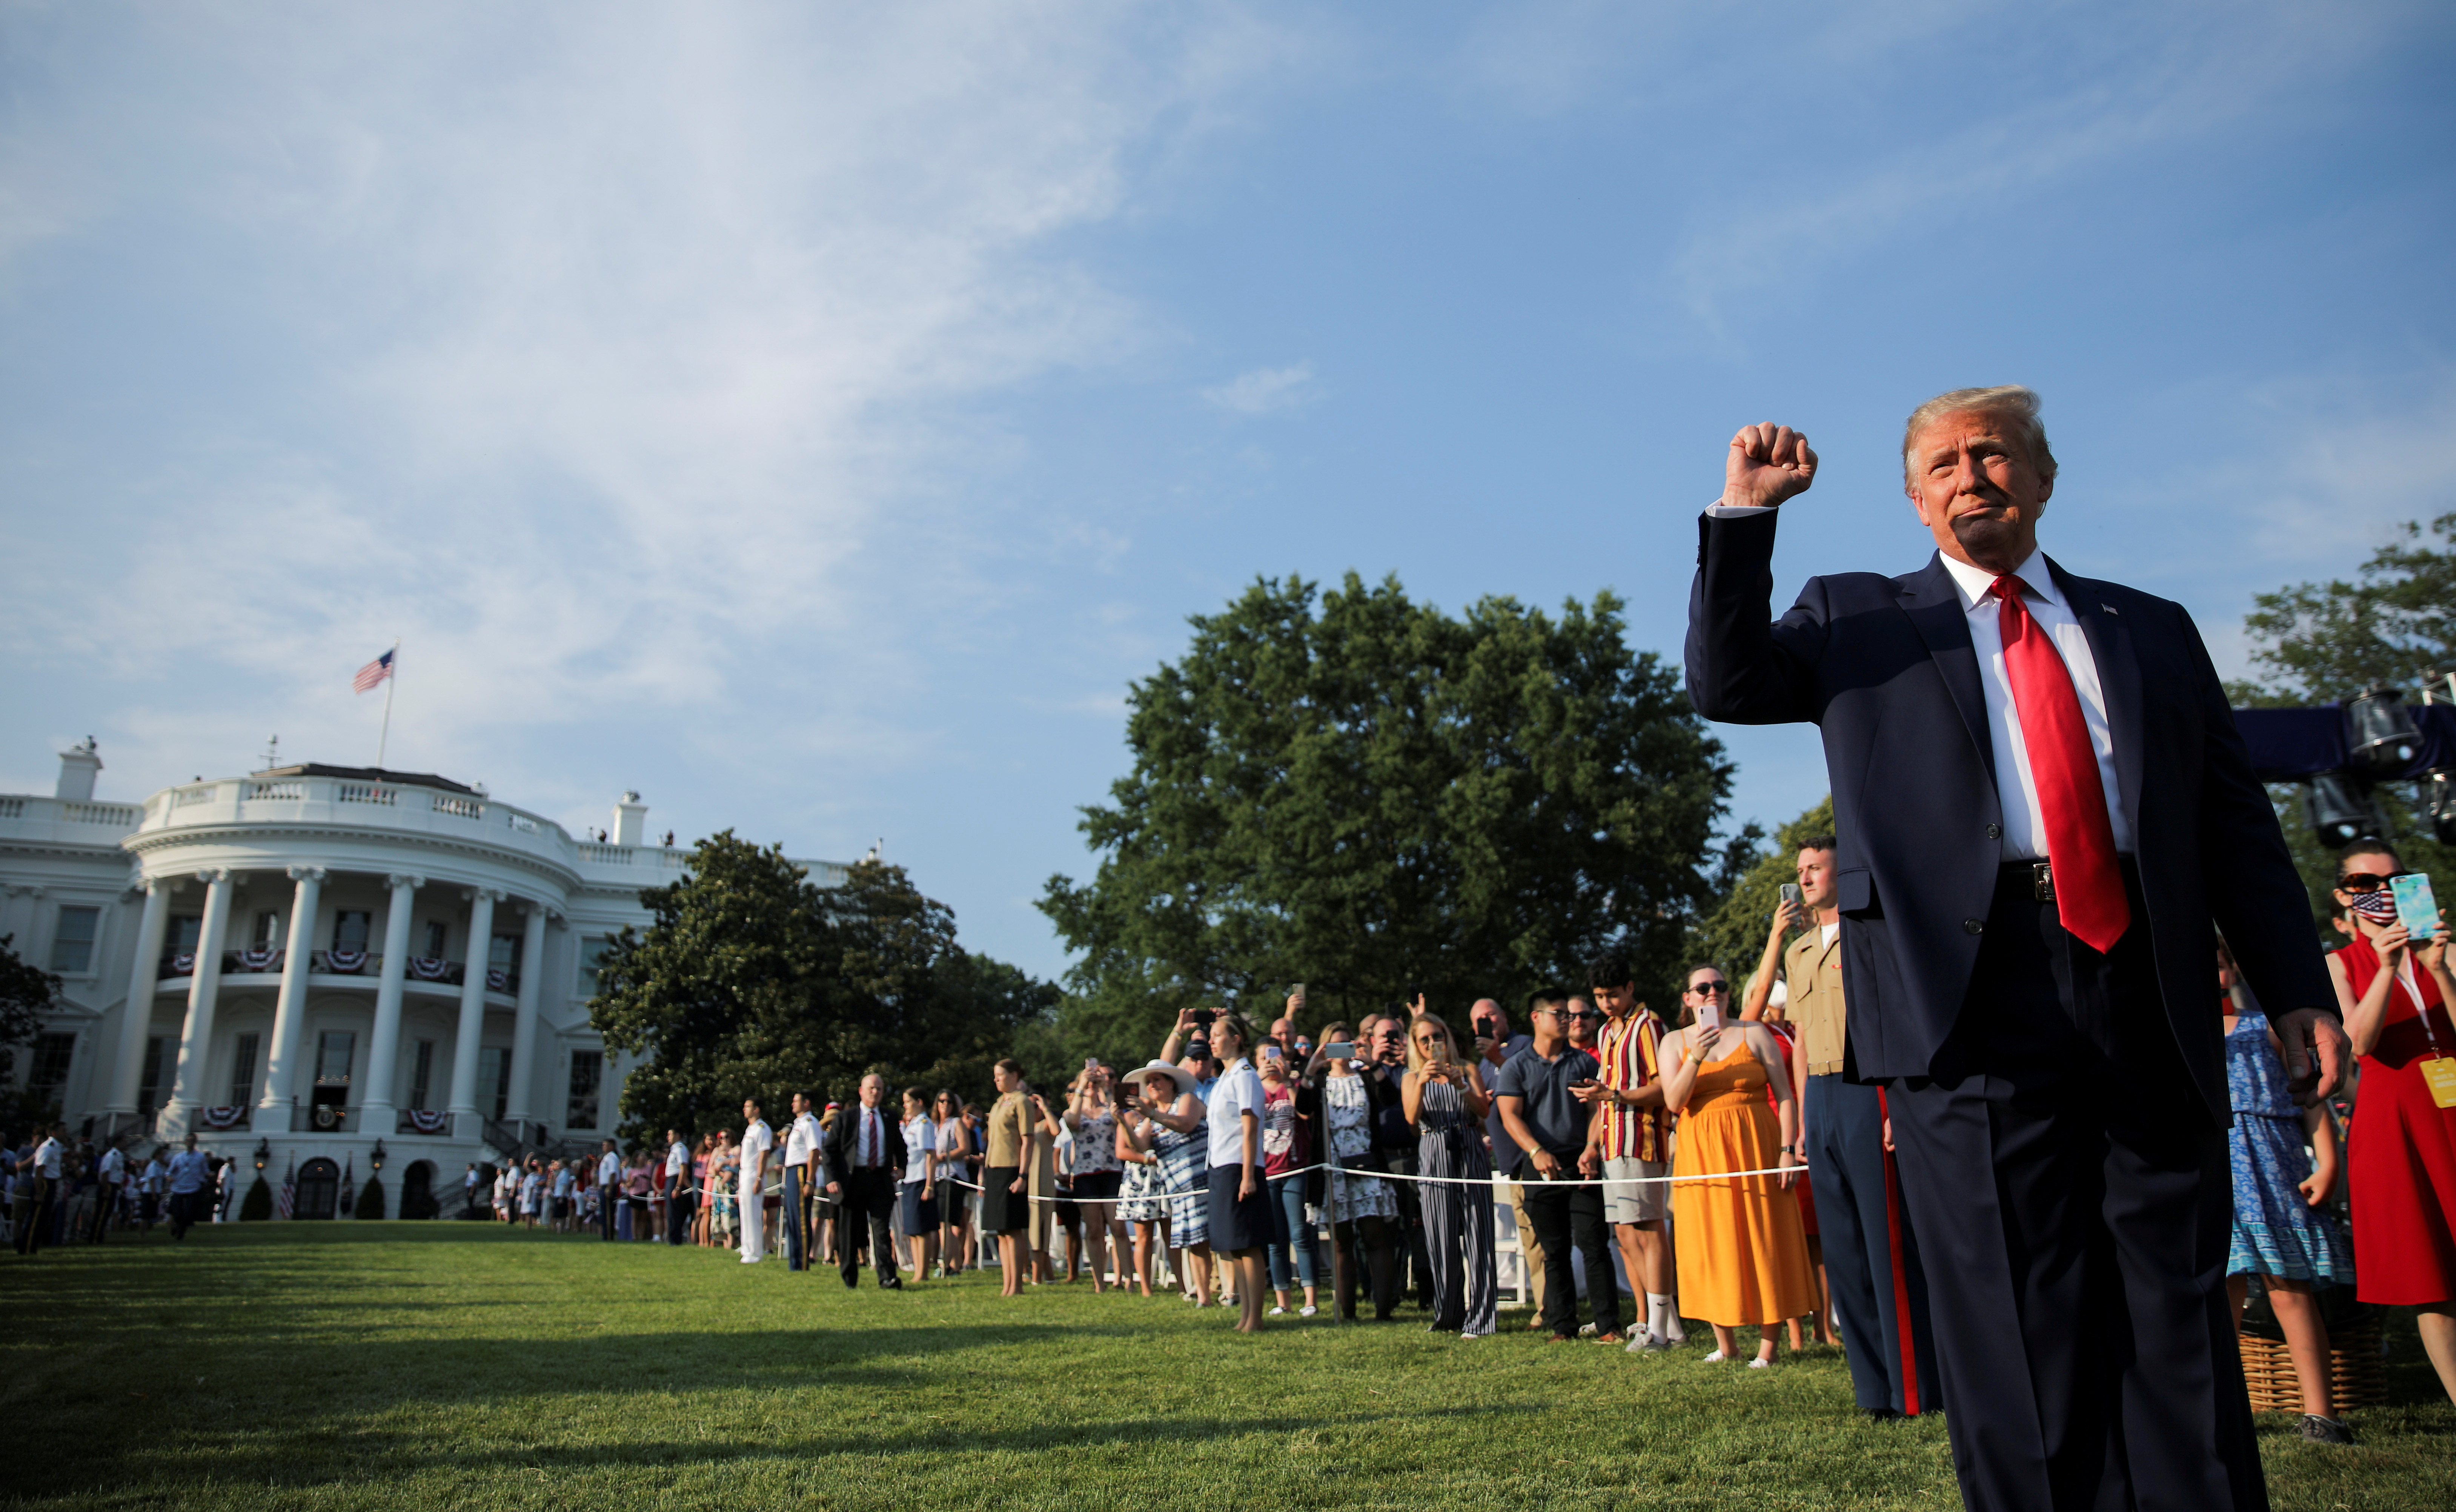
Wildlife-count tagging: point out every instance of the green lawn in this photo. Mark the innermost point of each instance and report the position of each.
(443, 1364)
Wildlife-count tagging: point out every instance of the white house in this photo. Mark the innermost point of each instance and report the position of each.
(308, 961)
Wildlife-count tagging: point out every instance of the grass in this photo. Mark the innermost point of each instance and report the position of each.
(406, 1365)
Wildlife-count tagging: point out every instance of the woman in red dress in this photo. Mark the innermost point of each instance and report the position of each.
(2400, 1157)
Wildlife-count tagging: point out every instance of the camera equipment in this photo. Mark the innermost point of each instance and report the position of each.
(1204, 1016)
(2341, 809)
(2384, 739)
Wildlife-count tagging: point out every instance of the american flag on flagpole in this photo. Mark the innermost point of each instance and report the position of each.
(287, 1198)
(373, 673)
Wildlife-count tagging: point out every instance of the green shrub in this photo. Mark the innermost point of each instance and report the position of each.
(371, 1200)
(258, 1205)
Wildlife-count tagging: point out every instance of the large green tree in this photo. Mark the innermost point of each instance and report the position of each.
(2395, 622)
(1359, 792)
(751, 980)
(26, 992)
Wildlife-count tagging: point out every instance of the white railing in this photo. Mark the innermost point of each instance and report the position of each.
(196, 796)
(126, 815)
(365, 793)
(606, 855)
(283, 792)
(12, 808)
(456, 806)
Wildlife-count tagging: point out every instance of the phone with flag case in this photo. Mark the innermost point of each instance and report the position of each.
(2415, 906)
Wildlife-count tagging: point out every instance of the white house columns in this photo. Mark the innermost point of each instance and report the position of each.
(375, 1105)
(204, 989)
(472, 1009)
(516, 1105)
(290, 1011)
(136, 1024)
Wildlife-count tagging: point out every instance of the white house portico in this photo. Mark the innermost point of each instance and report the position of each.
(303, 962)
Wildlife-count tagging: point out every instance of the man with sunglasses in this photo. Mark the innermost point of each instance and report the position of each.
(1547, 1124)
(2042, 804)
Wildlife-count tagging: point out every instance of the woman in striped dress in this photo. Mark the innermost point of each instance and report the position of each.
(1173, 1130)
(1447, 1102)
(1142, 1202)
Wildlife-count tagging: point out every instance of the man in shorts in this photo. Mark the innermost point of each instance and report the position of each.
(1627, 1146)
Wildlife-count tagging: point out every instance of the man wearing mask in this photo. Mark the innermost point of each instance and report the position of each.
(865, 1152)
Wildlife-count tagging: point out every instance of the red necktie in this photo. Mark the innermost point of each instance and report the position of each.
(2081, 840)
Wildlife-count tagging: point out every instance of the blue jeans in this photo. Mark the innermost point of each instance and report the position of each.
(1288, 1227)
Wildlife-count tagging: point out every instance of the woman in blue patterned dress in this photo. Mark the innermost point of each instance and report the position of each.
(2282, 1233)
(1172, 1129)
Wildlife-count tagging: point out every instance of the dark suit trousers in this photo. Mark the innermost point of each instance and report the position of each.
(681, 1207)
(1880, 1289)
(1563, 1216)
(796, 1219)
(869, 1202)
(2071, 1191)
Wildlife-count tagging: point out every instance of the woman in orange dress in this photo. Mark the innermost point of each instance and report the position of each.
(2400, 1154)
(1743, 1256)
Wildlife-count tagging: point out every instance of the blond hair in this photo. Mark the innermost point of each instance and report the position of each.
(2016, 401)
(1416, 1060)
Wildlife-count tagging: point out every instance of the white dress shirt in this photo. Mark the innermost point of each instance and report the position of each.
(677, 1161)
(870, 1148)
(802, 1141)
(757, 1139)
(610, 1169)
(2016, 791)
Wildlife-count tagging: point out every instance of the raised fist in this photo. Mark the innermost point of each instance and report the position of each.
(1767, 464)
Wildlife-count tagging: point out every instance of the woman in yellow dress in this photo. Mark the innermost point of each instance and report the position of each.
(1743, 1254)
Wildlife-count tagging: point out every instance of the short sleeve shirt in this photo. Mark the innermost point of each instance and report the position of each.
(677, 1158)
(802, 1140)
(920, 1140)
(1812, 970)
(759, 1137)
(1238, 1091)
(1628, 1062)
(1553, 1116)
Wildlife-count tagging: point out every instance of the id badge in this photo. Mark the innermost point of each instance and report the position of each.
(2441, 1073)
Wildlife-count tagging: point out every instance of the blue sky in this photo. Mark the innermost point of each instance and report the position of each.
(813, 417)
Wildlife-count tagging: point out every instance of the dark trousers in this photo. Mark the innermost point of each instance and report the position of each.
(106, 1206)
(187, 1209)
(869, 1202)
(681, 1208)
(1413, 1259)
(607, 1196)
(1564, 1215)
(2072, 1194)
(796, 1219)
(1870, 1258)
(32, 1216)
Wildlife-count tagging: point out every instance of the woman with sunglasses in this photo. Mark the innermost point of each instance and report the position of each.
(1742, 1256)
(955, 1168)
(2400, 1156)
(1445, 1101)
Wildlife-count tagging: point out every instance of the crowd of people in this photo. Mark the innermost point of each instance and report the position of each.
(58, 1189)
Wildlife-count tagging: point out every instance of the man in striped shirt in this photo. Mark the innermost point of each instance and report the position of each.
(1626, 1142)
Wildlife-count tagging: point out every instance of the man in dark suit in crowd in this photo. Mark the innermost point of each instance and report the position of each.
(865, 1152)
(2042, 804)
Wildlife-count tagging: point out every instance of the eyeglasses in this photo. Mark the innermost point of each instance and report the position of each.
(1588, 1013)
(1709, 988)
(2362, 881)
(1431, 1035)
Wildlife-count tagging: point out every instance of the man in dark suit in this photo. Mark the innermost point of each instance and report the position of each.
(2042, 804)
(865, 1150)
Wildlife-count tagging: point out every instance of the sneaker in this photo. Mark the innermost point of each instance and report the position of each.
(1714, 1359)
(1647, 1343)
(1587, 1330)
(1675, 1332)
(1307, 1310)
(1760, 1362)
(1277, 1312)
(2326, 1430)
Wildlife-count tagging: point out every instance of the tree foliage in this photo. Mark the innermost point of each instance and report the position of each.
(2323, 641)
(25, 994)
(1356, 791)
(753, 981)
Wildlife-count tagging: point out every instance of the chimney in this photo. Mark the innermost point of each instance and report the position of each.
(630, 821)
(77, 765)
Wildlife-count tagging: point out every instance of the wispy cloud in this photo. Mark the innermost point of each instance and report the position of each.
(1263, 390)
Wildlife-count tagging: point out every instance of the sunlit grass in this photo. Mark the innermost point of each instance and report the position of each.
(443, 1364)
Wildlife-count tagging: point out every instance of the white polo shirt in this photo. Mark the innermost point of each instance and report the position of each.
(1237, 1091)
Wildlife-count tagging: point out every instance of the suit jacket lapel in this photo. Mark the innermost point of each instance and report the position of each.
(1934, 608)
(2119, 678)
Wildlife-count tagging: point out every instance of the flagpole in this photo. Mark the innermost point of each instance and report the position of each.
(391, 682)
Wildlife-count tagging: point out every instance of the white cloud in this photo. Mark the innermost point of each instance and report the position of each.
(601, 349)
(1263, 389)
